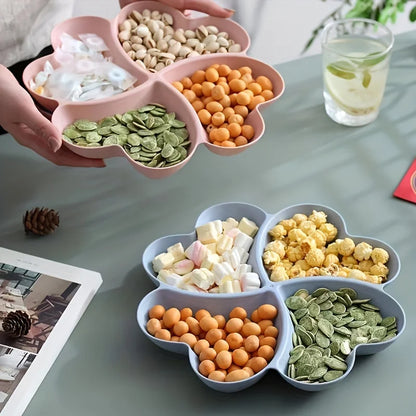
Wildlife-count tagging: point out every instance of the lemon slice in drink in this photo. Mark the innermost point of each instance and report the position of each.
(353, 93)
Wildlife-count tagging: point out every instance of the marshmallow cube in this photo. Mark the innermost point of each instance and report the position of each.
(162, 261)
(229, 224)
(232, 257)
(248, 227)
(177, 251)
(207, 233)
(241, 269)
(169, 277)
(226, 286)
(183, 266)
(210, 260)
(224, 243)
(196, 252)
(203, 278)
(212, 247)
(221, 270)
(250, 281)
(236, 286)
(233, 232)
(243, 240)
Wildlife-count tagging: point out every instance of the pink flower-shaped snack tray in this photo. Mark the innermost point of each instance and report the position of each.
(152, 87)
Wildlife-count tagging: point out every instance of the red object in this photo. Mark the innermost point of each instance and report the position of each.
(407, 187)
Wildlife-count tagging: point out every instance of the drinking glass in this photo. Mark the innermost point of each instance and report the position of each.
(356, 55)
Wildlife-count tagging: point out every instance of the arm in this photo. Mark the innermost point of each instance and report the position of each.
(204, 6)
(20, 117)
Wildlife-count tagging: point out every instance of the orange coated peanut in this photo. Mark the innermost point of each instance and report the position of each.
(229, 348)
(223, 97)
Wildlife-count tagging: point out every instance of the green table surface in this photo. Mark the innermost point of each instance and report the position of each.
(109, 216)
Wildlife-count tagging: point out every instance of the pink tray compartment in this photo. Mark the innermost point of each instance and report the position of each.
(151, 87)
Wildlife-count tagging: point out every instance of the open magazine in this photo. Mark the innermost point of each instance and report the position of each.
(52, 298)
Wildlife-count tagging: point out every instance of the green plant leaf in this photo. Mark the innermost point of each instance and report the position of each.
(362, 8)
(412, 15)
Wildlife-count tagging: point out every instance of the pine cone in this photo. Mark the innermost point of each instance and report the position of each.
(41, 221)
(16, 324)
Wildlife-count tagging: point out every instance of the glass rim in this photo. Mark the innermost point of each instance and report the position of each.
(331, 25)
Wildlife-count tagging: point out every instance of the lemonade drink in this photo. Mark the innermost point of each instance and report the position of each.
(355, 68)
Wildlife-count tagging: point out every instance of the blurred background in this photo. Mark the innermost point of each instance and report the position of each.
(279, 29)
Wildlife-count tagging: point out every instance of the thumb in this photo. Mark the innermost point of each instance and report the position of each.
(43, 128)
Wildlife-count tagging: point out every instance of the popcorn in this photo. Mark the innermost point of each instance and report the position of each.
(379, 255)
(303, 264)
(319, 237)
(295, 234)
(299, 218)
(288, 224)
(318, 217)
(294, 253)
(270, 258)
(362, 251)
(331, 259)
(307, 227)
(365, 265)
(356, 274)
(315, 257)
(379, 269)
(307, 246)
(329, 230)
(279, 274)
(276, 246)
(345, 246)
(278, 231)
(348, 261)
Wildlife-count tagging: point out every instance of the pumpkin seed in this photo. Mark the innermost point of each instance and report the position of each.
(148, 134)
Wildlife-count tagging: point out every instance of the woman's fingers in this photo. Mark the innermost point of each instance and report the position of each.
(62, 157)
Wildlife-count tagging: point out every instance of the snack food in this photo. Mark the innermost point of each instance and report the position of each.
(216, 262)
(226, 352)
(327, 326)
(150, 135)
(307, 246)
(223, 98)
(151, 40)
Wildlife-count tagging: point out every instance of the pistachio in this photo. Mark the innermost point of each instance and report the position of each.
(124, 35)
(148, 37)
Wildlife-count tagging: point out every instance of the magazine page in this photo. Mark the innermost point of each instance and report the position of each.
(41, 301)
